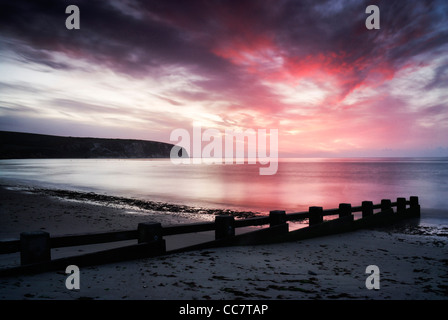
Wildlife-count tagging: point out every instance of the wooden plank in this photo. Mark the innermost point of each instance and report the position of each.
(297, 216)
(330, 212)
(376, 220)
(131, 252)
(257, 221)
(339, 225)
(264, 235)
(188, 228)
(9, 246)
(92, 238)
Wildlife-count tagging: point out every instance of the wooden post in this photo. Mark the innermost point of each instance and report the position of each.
(415, 206)
(401, 205)
(34, 247)
(149, 231)
(224, 227)
(367, 208)
(316, 215)
(386, 204)
(277, 217)
(345, 210)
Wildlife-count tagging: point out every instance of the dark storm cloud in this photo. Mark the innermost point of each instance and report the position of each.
(404, 25)
(408, 29)
(108, 36)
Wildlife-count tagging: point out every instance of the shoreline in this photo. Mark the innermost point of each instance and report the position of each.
(70, 212)
(412, 260)
(128, 212)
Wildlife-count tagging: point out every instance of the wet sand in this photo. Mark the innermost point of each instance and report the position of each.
(413, 261)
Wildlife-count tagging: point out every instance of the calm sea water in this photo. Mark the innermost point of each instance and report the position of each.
(298, 183)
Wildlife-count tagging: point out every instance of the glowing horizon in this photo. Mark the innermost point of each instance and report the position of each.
(139, 70)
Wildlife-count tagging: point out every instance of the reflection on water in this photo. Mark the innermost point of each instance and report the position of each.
(298, 184)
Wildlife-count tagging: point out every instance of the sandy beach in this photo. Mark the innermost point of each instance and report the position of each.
(413, 262)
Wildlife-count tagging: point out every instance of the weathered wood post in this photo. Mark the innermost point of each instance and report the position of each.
(277, 217)
(224, 227)
(367, 208)
(277, 221)
(34, 247)
(151, 233)
(316, 215)
(386, 205)
(401, 205)
(415, 206)
(345, 210)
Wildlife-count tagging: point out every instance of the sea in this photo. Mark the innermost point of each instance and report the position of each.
(298, 183)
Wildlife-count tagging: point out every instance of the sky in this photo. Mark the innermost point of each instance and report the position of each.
(311, 69)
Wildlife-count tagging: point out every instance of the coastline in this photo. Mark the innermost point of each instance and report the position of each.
(412, 260)
(69, 212)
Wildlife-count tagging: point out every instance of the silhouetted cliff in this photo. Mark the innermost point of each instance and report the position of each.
(16, 145)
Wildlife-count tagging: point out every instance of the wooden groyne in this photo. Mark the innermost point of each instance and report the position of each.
(35, 247)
